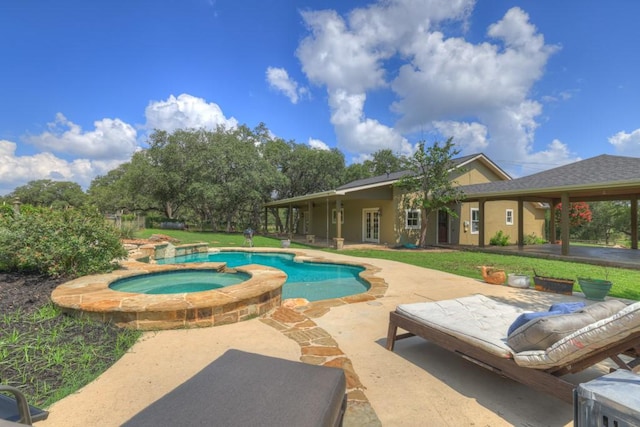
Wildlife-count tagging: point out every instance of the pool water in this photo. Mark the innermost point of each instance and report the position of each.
(310, 280)
(176, 282)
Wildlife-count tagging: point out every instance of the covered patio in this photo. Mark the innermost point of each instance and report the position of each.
(601, 178)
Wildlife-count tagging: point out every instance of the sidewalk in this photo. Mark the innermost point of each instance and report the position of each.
(417, 384)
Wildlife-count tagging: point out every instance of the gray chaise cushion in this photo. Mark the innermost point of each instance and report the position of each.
(542, 333)
(246, 389)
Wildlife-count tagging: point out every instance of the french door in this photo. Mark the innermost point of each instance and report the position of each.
(371, 225)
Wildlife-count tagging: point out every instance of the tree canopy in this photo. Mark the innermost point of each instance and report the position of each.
(429, 187)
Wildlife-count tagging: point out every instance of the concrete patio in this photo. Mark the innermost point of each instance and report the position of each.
(417, 384)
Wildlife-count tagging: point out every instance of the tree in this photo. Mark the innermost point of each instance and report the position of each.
(51, 194)
(430, 187)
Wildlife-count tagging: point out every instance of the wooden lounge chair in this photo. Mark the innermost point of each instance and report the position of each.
(475, 328)
(16, 409)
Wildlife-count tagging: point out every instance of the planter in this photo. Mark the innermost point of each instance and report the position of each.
(493, 276)
(518, 280)
(553, 284)
(594, 289)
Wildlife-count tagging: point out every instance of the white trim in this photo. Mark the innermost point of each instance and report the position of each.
(477, 221)
(406, 219)
(375, 225)
(508, 218)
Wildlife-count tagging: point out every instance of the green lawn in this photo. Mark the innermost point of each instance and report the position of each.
(626, 282)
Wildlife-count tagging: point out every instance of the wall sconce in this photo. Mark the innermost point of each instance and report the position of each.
(466, 226)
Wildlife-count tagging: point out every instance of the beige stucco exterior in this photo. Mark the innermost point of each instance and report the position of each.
(383, 204)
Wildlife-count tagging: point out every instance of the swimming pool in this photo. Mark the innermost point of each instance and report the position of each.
(312, 281)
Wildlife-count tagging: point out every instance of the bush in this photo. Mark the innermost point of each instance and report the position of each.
(499, 239)
(532, 239)
(69, 243)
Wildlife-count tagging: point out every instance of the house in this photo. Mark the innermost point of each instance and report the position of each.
(372, 210)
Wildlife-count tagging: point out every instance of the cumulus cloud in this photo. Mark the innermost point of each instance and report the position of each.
(477, 92)
(18, 170)
(318, 145)
(186, 112)
(279, 79)
(627, 144)
(111, 139)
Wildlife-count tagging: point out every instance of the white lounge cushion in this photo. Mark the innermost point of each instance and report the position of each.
(477, 320)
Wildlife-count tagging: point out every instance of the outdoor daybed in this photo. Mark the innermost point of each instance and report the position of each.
(537, 353)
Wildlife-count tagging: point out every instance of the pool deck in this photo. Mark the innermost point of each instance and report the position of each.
(417, 384)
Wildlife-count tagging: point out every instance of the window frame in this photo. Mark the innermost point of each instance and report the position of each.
(418, 220)
(333, 216)
(509, 218)
(475, 221)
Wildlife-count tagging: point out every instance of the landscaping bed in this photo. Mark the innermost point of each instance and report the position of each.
(44, 353)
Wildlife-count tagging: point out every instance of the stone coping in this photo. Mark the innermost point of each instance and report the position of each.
(90, 296)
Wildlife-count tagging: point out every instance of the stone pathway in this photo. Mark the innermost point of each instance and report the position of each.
(294, 320)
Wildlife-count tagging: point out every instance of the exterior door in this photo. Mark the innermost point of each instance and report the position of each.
(371, 225)
(443, 227)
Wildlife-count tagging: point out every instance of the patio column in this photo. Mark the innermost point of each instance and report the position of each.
(338, 240)
(520, 224)
(290, 221)
(552, 221)
(481, 203)
(564, 223)
(634, 222)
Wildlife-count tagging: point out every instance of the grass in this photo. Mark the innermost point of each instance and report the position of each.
(626, 282)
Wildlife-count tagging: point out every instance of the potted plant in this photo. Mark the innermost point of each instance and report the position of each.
(555, 285)
(518, 280)
(595, 289)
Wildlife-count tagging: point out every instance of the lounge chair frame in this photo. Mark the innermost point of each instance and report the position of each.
(548, 380)
(17, 409)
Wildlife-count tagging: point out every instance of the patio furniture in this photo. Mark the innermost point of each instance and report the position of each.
(247, 389)
(475, 328)
(16, 409)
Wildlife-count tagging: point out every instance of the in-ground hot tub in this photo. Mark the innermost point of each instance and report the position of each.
(91, 296)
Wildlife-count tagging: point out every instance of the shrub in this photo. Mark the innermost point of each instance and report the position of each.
(70, 243)
(499, 239)
(532, 239)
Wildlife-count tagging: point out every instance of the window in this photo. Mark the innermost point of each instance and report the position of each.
(475, 220)
(333, 216)
(412, 219)
(509, 216)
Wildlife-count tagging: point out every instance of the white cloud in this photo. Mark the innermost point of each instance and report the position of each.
(627, 144)
(556, 154)
(186, 112)
(19, 170)
(478, 93)
(111, 139)
(317, 144)
(279, 79)
(468, 137)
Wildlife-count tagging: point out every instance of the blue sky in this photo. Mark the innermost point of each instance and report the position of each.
(532, 84)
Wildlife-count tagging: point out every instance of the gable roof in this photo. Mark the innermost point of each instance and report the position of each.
(393, 177)
(592, 177)
(383, 180)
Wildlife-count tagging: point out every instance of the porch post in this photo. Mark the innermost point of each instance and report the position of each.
(339, 241)
(520, 224)
(552, 221)
(634, 222)
(481, 203)
(290, 222)
(564, 223)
